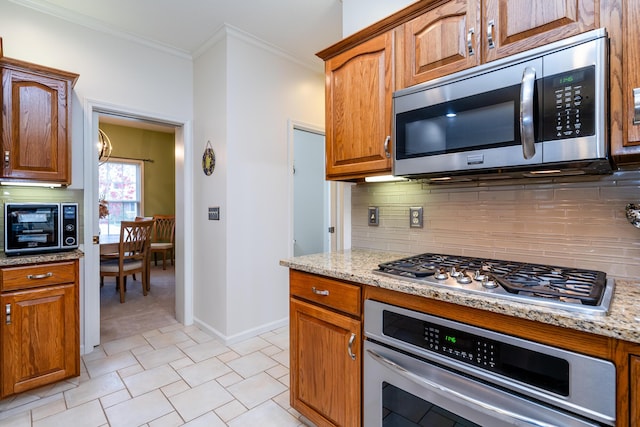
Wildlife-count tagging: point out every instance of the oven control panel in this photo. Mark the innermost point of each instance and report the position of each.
(461, 345)
(514, 361)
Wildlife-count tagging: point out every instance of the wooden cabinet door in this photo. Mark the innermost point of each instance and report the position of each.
(512, 26)
(359, 88)
(35, 126)
(634, 394)
(628, 149)
(325, 380)
(442, 41)
(39, 338)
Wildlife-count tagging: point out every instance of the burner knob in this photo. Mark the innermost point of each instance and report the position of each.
(454, 272)
(441, 275)
(489, 282)
(479, 276)
(463, 278)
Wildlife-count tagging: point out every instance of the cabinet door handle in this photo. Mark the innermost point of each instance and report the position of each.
(470, 42)
(636, 106)
(322, 292)
(7, 311)
(350, 346)
(39, 276)
(386, 146)
(7, 156)
(490, 27)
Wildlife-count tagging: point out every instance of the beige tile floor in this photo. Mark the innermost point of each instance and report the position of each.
(172, 376)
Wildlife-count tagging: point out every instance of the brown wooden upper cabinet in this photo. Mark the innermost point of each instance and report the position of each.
(36, 105)
(461, 34)
(359, 87)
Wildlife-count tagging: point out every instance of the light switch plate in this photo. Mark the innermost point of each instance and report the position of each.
(214, 213)
(415, 217)
(373, 219)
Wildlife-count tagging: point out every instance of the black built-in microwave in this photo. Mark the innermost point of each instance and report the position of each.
(40, 227)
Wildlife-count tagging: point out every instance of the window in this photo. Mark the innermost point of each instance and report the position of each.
(120, 184)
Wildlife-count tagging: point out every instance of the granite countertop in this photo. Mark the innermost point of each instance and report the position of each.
(10, 261)
(622, 321)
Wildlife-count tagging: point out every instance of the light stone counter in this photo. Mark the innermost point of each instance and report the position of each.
(10, 261)
(622, 322)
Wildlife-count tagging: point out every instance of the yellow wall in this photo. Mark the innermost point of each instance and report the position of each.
(159, 175)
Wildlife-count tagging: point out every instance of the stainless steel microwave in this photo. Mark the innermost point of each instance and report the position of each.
(543, 111)
(40, 227)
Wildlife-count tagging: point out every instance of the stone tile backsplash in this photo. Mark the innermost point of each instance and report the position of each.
(575, 222)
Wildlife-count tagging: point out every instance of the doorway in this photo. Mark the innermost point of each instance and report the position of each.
(90, 308)
(311, 192)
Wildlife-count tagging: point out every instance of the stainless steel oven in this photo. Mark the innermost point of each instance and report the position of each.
(422, 370)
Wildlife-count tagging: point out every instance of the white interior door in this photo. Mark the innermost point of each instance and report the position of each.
(311, 202)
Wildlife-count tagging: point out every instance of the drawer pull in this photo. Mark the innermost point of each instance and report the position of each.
(39, 276)
(7, 310)
(323, 292)
(350, 347)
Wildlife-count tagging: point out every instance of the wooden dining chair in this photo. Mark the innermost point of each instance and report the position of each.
(132, 256)
(163, 238)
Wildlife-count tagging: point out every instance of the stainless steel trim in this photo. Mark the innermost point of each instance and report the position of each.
(636, 106)
(592, 381)
(527, 136)
(448, 392)
(350, 346)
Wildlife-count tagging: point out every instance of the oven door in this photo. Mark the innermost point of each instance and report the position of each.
(400, 390)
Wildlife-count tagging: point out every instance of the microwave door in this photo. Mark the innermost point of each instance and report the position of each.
(472, 124)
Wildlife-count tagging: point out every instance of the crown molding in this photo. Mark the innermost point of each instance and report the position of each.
(227, 30)
(97, 25)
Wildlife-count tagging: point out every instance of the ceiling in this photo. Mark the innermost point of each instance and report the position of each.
(298, 27)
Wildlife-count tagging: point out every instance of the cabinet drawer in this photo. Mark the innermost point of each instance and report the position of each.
(341, 296)
(31, 276)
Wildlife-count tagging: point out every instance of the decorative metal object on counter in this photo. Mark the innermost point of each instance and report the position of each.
(633, 214)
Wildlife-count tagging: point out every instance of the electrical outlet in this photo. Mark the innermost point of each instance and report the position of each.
(214, 214)
(373, 216)
(415, 217)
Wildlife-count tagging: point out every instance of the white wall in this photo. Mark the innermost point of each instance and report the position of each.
(210, 246)
(358, 14)
(113, 71)
(264, 90)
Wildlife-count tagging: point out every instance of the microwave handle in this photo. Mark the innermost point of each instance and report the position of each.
(526, 112)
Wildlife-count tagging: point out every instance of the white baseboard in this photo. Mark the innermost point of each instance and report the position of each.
(250, 333)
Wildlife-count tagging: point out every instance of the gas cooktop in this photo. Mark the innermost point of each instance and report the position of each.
(577, 290)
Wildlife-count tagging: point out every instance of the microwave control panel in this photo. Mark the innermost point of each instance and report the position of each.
(569, 104)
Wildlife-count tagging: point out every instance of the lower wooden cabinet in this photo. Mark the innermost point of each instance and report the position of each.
(39, 334)
(634, 386)
(326, 363)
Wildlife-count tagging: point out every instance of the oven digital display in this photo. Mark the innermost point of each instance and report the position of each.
(456, 339)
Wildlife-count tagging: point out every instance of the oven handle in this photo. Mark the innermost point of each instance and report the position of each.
(527, 135)
(447, 392)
